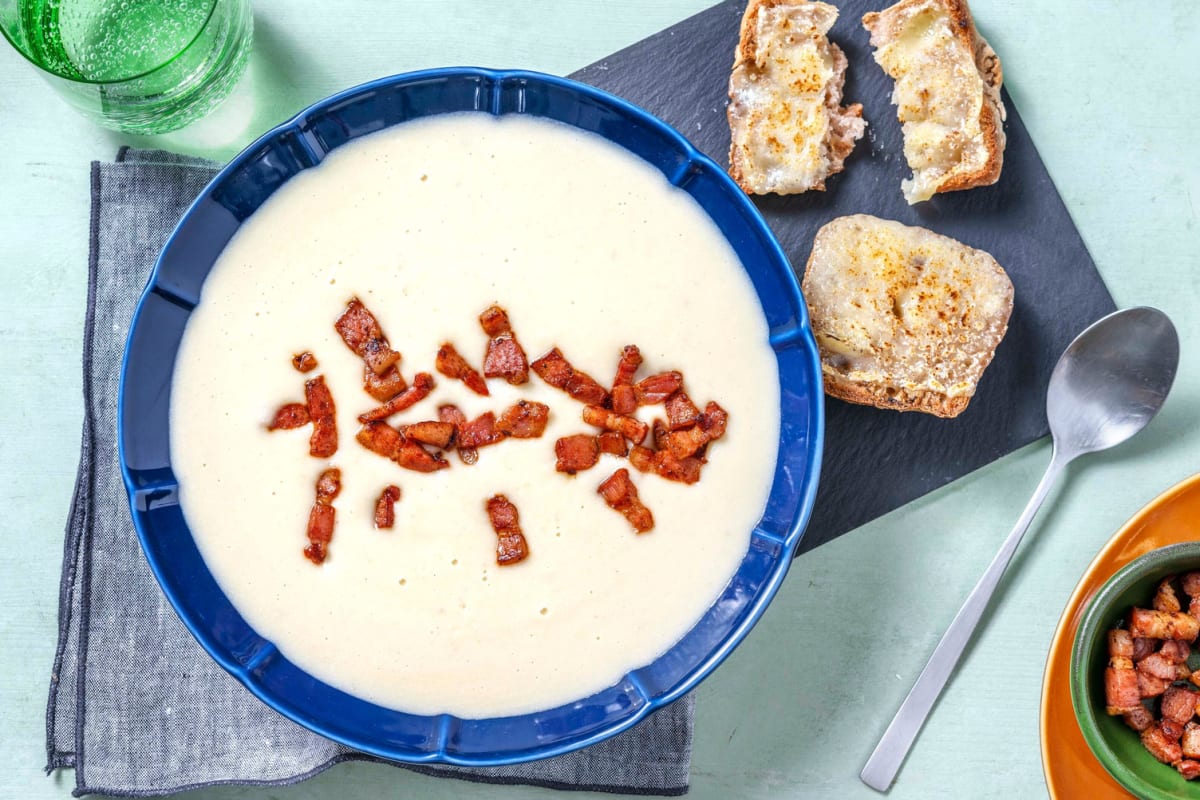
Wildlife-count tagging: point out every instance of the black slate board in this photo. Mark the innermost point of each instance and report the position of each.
(876, 461)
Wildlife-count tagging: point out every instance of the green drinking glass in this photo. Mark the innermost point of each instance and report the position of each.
(139, 66)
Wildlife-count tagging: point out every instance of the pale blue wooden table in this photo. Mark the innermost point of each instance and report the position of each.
(1108, 91)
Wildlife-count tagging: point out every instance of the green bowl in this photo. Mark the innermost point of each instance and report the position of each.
(1115, 745)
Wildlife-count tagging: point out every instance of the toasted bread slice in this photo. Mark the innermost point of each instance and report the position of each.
(904, 318)
(947, 94)
(789, 129)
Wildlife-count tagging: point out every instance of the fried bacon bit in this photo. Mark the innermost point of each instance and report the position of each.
(1143, 647)
(510, 542)
(714, 420)
(292, 415)
(555, 370)
(683, 470)
(422, 385)
(438, 434)
(361, 332)
(524, 420)
(329, 484)
(383, 387)
(1189, 769)
(1178, 704)
(304, 362)
(1158, 740)
(320, 532)
(1150, 686)
(665, 465)
(627, 367)
(1120, 644)
(1175, 651)
(451, 364)
(657, 388)
(412, 456)
(642, 458)
(385, 507)
(613, 443)
(383, 439)
(479, 432)
(658, 435)
(682, 444)
(1156, 665)
(494, 321)
(505, 357)
(624, 398)
(1191, 740)
(1139, 718)
(379, 356)
(708, 426)
(621, 495)
(1121, 693)
(380, 438)
(321, 518)
(323, 442)
(681, 411)
(576, 453)
(1165, 598)
(1162, 624)
(631, 428)
(1191, 587)
(454, 415)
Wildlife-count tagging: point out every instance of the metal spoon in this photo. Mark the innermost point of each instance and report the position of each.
(1107, 385)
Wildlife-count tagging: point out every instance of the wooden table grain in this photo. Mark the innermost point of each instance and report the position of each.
(1108, 91)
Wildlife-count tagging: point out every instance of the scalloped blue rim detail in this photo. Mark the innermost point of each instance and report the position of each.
(780, 548)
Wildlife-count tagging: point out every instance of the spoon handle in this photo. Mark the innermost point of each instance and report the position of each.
(889, 754)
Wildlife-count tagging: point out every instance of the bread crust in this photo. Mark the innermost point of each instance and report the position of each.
(987, 63)
(894, 399)
(840, 145)
(744, 53)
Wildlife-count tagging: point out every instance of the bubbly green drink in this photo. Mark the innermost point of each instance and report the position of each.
(144, 66)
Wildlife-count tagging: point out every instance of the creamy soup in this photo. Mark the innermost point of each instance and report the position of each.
(430, 222)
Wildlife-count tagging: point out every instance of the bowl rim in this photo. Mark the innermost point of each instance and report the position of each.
(1090, 619)
(800, 332)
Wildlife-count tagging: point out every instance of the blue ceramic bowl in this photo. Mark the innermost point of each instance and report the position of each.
(174, 290)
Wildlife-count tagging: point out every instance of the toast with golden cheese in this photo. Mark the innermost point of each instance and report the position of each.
(947, 94)
(788, 128)
(904, 318)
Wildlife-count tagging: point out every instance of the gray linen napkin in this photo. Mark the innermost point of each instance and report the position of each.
(136, 706)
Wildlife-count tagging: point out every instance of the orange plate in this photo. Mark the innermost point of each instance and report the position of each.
(1071, 769)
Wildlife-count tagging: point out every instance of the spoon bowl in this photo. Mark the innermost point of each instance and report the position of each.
(1112, 380)
(1107, 385)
